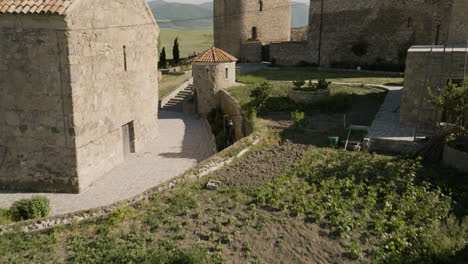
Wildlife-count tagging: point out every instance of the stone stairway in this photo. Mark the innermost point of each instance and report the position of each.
(176, 103)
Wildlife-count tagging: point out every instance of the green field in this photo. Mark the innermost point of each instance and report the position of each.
(189, 41)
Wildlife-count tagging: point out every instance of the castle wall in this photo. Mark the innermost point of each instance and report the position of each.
(36, 140)
(114, 78)
(235, 19)
(429, 67)
(389, 27)
(290, 53)
(251, 52)
(459, 23)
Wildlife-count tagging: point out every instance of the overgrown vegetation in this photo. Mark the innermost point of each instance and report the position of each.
(223, 132)
(340, 98)
(299, 119)
(372, 202)
(24, 209)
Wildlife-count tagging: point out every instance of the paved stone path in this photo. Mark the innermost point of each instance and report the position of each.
(183, 142)
(387, 121)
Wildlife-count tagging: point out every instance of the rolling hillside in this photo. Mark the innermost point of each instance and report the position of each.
(199, 17)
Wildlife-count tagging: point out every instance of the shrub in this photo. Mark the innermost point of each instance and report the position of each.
(261, 93)
(311, 86)
(36, 207)
(299, 119)
(322, 84)
(453, 100)
(299, 83)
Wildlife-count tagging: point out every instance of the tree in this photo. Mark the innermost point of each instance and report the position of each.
(175, 51)
(260, 94)
(162, 59)
(453, 100)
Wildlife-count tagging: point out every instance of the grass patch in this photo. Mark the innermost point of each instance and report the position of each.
(339, 100)
(189, 41)
(4, 217)
(299, 73)
(171, 82)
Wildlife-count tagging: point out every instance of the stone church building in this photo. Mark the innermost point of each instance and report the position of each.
(78, 90)
(340, 33)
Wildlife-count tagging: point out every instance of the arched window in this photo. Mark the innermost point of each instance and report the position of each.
(207, 72)
(226, 74)
(260, 5)
(254, 33)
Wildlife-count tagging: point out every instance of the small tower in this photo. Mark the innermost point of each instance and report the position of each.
(213, 70)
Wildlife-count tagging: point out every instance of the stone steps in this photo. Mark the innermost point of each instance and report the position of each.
(176, 104)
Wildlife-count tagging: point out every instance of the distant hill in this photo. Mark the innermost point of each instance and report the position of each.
(199, 16)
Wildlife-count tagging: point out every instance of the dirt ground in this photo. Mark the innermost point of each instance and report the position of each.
(260, 166)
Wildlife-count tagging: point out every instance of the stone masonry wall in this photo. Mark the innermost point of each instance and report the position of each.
(290, 53)
(208, 80)
(114, 77)
(231, 107)
(459, 23)
(389, 27)
(251, 52)
(429, 69)
(36, 143)
(234, 20)
(299, 34)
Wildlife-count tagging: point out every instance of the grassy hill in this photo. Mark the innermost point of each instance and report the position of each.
(189, 41)
(199, 17)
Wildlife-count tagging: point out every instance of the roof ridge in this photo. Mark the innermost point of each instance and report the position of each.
(214, 55)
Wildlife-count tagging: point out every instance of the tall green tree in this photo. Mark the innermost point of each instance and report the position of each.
(176, 52)
(162, 59)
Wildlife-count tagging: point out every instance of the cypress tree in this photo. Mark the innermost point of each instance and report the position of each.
(162, 59)
(175, 51)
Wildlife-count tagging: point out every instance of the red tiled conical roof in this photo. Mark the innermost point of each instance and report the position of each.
(214, 55)
(34, 6)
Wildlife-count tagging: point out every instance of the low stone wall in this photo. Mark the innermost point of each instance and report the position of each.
(455, 159)
(290, 53)
(390, 146)
(396, 74)
(208, 166)
(304, 97)
(231, 107)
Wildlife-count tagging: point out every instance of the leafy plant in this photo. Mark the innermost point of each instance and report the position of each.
(299, 119)
(299, 83)
(453, 100)
(36, 207)
(261, 93)
(311, 86)
(323, 84)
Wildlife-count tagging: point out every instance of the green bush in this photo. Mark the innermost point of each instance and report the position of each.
(322, 84)
(261, 93)
(36, 207)
(299, 83)
(299, 119)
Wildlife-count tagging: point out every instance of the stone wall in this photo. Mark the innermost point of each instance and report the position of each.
(388, 27)
(299, 34)
(208, 80)
(231, 107)
(113, 68)
(235, 19)
(290, 53)
(429, 67)
(68, 84)
(36, 143)
(459, 23)
(251, 52)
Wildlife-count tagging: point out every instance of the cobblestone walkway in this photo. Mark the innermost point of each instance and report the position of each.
(387, 121)
(183, 142)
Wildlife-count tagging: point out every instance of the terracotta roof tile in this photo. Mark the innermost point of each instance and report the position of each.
(214, 55)
(34, 6)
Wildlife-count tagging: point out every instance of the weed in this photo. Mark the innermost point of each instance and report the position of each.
(36, 207)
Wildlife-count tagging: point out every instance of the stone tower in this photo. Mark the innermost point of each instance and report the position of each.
(213, 70)
(238, 21)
